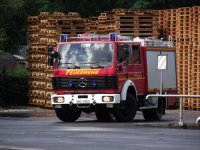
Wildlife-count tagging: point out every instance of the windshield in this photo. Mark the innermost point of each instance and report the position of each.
(85, 55)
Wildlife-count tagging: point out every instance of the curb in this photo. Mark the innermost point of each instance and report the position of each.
(170, 125)
(27, 112)
(15, 113)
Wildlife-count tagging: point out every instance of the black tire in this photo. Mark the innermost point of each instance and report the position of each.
(68, 113)
(198, 120)
(103, 114)
(126, 110)
(155, 114)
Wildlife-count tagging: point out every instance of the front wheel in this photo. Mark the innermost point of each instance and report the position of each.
(126, 110)
(155, 114)
(68, 113)
(103, 114)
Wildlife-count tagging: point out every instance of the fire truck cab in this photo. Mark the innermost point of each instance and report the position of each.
(109, 75)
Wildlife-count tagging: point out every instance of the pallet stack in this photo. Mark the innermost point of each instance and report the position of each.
(106, 23)
(195, 62)
(170, 17)
(137, 23)
(182, 25)
(147, 24)
(72, 24)
(126, 22)
(102, 24)
(160, 21)
(43, 30)
(91, 24)
(184, 53)
(36, 84)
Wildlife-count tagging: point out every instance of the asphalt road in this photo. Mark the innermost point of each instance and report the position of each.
(33, 133)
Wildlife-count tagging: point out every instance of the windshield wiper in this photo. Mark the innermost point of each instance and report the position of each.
(68, 63)
(93, 63)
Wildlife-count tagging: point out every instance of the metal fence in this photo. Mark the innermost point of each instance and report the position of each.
(181, 123)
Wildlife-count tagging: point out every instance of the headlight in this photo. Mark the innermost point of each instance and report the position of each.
(107, 98)
(58, 99)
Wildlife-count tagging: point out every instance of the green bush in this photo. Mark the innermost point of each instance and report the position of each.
(14, 87)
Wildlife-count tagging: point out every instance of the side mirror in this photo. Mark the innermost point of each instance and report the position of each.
(51, 55)
(50, 61)
(50, 48)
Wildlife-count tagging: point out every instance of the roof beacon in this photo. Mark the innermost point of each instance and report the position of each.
(113, 37)
(63, 37)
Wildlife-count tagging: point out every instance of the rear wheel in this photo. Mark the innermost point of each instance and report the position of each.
(155, 114)
(126, 110)
(68, 113)
(103, 114)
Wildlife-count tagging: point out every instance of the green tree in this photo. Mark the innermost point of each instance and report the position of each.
(12, 20)
(142, 4)
(86, 9)
(14, 13)
(2, 39)
(14, 87)
(124, 3)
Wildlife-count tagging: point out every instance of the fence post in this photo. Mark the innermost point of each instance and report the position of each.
(181, 112)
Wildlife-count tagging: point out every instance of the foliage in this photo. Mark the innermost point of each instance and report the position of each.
(17, 73)
(142, 4)
(2, 38)
(14, 87)
(14, 13)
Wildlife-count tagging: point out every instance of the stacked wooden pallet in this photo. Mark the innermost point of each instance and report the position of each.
(170, 17)
(160, 22)
(137, 23)
(195, 62)
(102, 24)
(91, 25)
(167, 23)
(181, 24)
(43, 30)
(126, 22)
(106, 23)
(184, 53)
(72, 24)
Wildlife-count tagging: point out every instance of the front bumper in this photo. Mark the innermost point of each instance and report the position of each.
(85, 99)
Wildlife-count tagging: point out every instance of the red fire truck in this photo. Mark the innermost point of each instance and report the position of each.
(110, 75)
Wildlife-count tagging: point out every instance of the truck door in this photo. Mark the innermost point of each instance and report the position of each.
(131, 65)
(124, 58)
(136, 68)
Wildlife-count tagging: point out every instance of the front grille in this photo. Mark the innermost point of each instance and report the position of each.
(72, 83)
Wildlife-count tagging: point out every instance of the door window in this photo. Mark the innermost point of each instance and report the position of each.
(136, 54)
(124, 53)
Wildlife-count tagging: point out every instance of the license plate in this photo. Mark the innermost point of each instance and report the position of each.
(58, 106)
(82, 101)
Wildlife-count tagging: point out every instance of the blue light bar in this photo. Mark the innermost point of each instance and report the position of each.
(94, 83)
(113, 37)
(63, 37)
(70, 83)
